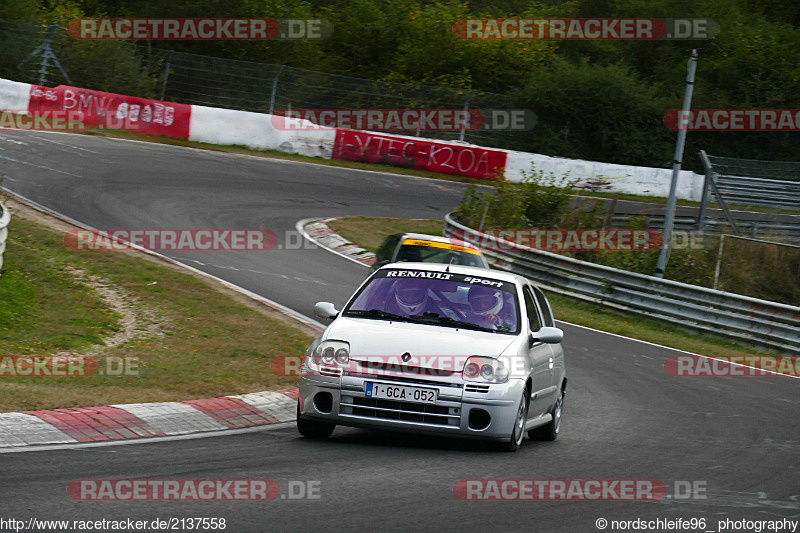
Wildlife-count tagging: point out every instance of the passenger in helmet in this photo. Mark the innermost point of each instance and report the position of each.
(488, 304)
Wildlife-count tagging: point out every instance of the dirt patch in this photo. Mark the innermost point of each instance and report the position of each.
(136, 321)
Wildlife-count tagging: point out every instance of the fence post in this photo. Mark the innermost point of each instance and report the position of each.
(719, 259)
(166, 75)
(683, 126)
(466, 108)
(5, 220)
(701, 217)
(275, 89)
(724, 206)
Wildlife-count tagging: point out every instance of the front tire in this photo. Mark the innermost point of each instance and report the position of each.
(551, 430)
(312, 429)
(518, 434)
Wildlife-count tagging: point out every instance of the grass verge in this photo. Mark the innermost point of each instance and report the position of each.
(367, 231)
(192, 337)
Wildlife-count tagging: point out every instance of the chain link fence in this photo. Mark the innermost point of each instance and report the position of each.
(46, 55)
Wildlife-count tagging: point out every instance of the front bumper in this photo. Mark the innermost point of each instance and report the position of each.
(462, 408)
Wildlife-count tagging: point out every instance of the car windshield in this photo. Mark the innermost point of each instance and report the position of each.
(439, 298)
(438, 252)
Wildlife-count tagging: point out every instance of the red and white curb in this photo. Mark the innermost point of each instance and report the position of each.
(142, 420)
(316, 230)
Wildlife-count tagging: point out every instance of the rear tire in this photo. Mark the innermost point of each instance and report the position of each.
(518, 434)
(552, 429)
(312, 429)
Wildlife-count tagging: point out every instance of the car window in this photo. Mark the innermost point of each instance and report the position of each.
(440, 298)
(425, 254)
(544, 305)
(533, 316)
(423, 251)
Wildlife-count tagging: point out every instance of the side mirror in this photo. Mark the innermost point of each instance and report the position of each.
(548, 335)
(325, 310)
(377, 264)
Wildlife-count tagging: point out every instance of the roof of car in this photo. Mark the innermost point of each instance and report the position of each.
(458, 269)
(436, 238)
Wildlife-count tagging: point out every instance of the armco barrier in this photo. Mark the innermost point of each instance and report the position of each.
(627, 179)
(256, 130)
(751, 320)
(422, 154)
(114, 111)
(5, 219)
(14, 96)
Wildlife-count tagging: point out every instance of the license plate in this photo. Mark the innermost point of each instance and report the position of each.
(400, 393)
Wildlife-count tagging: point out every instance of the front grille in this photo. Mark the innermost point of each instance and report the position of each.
(472, 387)
(439, 415)
(402, 406)
(403, 379)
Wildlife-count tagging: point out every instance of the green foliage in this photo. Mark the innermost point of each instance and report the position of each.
(538, 201)
(597, 100)
(595, 112)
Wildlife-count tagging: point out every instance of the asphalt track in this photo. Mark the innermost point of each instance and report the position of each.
(625, 418)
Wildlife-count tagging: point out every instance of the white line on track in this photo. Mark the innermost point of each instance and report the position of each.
(43, 167)
(65, 144)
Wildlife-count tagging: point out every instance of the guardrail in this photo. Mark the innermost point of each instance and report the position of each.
(752, 225)
(759, 191)
(743, 318)
(5, 219)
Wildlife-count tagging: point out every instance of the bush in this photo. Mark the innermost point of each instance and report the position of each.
(538, 201)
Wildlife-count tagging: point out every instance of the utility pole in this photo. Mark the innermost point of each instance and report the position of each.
(683, 125)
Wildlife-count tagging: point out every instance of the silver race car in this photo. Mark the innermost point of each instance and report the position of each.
(437, 349)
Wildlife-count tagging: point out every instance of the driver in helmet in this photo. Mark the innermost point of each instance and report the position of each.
(488, 304)
(411, 298)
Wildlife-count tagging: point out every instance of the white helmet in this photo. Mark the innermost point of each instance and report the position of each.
(486, 302)
(411, 295)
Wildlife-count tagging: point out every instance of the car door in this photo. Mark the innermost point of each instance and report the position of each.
(558, 369)
(541, 358)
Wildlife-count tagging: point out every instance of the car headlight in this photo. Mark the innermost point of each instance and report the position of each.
(332, 352)
(484, 369)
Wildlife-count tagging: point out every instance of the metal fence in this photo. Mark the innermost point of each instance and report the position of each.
(48, 56)
(751, 182)
(742, 318)
(5, 219)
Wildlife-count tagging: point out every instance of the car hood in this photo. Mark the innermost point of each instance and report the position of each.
(369, 337)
